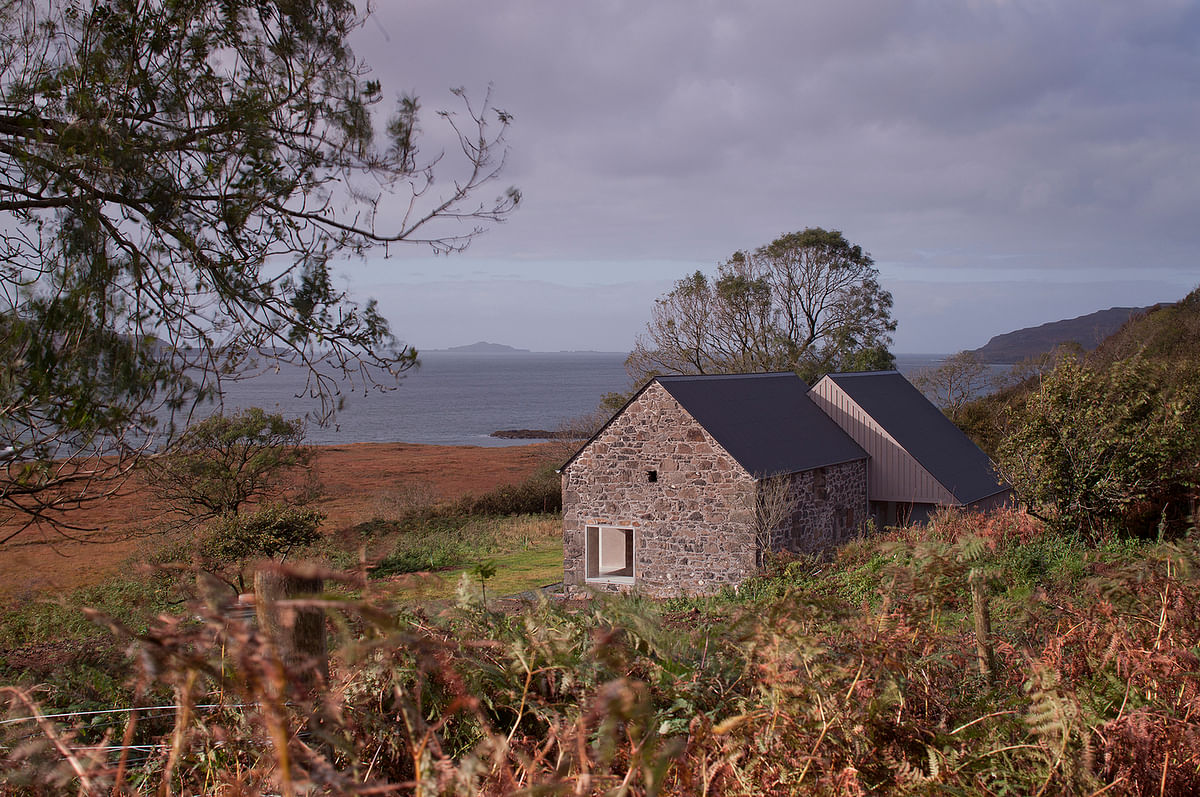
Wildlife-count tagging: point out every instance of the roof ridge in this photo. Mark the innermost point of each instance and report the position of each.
(753, 375)
(766, 421)
(836, 374)
(934, 442)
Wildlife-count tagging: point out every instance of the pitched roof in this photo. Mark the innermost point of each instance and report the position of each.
(924, 432)
(766, 422)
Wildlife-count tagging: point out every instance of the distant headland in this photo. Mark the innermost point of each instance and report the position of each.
(1086, 330)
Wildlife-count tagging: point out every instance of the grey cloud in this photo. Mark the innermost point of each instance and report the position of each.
(950, 135)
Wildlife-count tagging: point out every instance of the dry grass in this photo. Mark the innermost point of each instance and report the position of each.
(400, 501)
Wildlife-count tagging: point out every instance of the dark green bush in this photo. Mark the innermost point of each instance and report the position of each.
(540, 493)
(271, 531)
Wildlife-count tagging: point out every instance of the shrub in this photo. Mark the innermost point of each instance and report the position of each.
(795, 693)
(224, 461)
(1095, 450)
(272, 531)
(538, 494)
(795, 684)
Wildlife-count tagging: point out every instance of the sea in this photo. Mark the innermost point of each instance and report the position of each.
(460, 399)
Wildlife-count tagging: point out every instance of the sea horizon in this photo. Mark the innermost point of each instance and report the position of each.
(454, 350)
(460, 398)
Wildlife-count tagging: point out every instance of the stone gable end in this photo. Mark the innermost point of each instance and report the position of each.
(656, 471)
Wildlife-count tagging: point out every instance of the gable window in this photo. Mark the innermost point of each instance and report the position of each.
(610, 554)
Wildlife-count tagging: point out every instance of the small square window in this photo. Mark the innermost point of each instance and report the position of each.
(651, 476)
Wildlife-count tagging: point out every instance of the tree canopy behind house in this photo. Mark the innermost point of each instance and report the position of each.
(808, 302)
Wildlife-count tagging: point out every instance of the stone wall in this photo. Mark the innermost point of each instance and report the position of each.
(692, 526)
(829, 508)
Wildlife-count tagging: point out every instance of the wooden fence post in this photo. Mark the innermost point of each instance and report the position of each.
(298, 633)
(983, 625)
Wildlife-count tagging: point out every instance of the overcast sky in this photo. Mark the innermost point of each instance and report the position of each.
(1005, 163)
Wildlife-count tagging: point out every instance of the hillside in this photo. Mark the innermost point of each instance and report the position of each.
(1086, 330)
(1165, 333)
(863, 673)
(1169, 333)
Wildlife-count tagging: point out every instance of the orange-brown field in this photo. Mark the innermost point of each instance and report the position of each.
(354, 480)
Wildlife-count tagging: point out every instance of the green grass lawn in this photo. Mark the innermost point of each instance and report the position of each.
(526, 551)
(516, 571)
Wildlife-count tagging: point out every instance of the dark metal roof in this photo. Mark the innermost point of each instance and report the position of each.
(766, 422)
(924, 432)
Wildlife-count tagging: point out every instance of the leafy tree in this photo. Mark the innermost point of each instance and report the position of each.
(983, 416)
(808, 302)
(1095, 449)
(224, 461)
(178, 178)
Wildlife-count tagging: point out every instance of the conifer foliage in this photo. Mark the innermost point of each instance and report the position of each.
(178, 178)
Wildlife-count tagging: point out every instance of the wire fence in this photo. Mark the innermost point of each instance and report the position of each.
(101, 720)
(169, 709)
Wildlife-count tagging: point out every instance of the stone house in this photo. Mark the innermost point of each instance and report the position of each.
(687, 485)
(670, 494)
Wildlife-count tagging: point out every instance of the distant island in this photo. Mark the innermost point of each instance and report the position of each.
(483, 347)
(1086, 330)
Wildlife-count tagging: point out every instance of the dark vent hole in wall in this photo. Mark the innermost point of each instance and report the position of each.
(651, 475)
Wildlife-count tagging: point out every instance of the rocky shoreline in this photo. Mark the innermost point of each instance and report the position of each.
(524, 434)
(539, 434)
